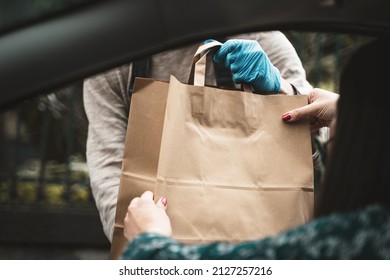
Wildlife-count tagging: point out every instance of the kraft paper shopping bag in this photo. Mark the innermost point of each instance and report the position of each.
(229, 167)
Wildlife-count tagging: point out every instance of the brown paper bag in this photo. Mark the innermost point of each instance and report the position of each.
(229, 167)
(142, 150)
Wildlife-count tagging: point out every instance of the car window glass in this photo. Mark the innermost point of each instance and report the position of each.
(43, 165)
(43, 139)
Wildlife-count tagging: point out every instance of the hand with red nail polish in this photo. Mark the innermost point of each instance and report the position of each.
(144, 215)
(321, 109)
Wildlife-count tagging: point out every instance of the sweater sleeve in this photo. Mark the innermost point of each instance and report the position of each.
(364, 234)
(106, 103)
(149, 246)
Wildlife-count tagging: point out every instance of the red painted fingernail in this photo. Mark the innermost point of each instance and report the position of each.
(164, 201)
(286, 117)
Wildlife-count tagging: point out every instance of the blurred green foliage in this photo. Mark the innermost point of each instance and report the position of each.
(5, 188)
(79, 194)
(324, 55)
(27, 192)
(60, 183)
(54, 193)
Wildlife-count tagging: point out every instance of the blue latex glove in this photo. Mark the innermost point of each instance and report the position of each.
(249, 64)
(209, 41)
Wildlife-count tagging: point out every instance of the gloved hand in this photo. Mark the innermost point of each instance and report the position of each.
(249, 64)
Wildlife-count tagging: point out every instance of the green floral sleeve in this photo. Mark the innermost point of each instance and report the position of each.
(364, 234)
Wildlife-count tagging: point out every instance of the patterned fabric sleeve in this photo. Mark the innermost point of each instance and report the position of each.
(357, 235)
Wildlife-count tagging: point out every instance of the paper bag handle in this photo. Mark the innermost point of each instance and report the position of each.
(198, 69)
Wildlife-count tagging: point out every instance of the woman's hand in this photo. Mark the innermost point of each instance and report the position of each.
(144, 215)
(321, 109)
